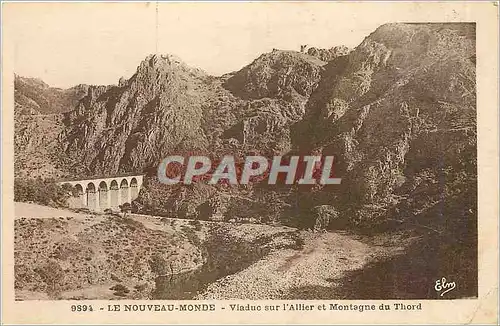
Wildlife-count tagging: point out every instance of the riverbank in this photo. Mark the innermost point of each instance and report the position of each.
(298, 274)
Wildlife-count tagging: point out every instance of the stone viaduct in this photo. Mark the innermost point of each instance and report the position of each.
(98, 194)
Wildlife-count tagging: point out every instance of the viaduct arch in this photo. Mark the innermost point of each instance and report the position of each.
(98, 194)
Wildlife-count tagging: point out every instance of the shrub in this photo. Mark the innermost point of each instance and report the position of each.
(120, 288)
(160, 265)
(191, 235)
(53, 275)
(196, 224)
(140, 287)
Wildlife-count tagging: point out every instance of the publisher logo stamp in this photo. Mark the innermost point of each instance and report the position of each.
(443, 286)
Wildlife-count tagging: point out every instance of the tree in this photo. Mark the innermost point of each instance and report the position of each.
(125, 208)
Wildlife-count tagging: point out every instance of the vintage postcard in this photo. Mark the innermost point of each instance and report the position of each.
(250, 162)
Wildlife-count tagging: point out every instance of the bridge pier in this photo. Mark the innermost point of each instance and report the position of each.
(129, 197)
(97, 207)
(119, 191)
(84, 199)
(108, 199)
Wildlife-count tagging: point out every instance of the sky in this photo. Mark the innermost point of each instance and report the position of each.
(66, 44)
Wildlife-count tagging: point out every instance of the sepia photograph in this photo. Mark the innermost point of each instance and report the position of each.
(177, 151)
(398, 113)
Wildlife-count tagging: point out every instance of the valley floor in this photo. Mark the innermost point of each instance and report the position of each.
(299, 274)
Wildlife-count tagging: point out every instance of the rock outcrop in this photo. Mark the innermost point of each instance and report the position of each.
(328, 54)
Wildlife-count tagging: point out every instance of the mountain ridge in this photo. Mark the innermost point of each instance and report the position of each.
(374, 107)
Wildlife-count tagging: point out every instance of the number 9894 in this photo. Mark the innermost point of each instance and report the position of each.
(81, 307)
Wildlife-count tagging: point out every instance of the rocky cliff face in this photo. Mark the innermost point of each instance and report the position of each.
(398, 112)
(133, 125)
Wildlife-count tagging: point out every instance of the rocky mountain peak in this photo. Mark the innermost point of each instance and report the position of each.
(167, 63)
(276, 74)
